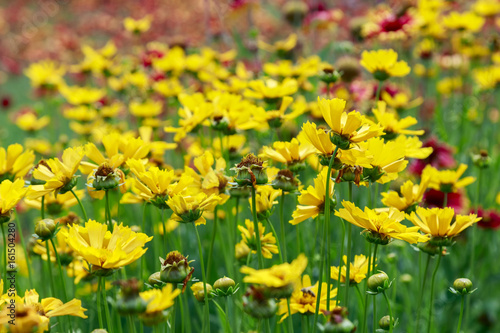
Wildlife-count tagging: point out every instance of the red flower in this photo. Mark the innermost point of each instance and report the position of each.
(491, 218)
(441, 157)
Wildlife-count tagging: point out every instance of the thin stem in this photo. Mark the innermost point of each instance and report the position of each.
(81, 206)
(377, 95)
(349, 245)
(390, 311)
(143, 227)
(431, 307)
(256, 229)
(445, 201)
(99, 304)
(4, 254)
(461, 314)
(131, 323)
(202, 263)
(164, 231)
(424, 279)
(365, 312)
(360, 296)
(282, 225)
(60, 270)
(52, 287)
(224, 315)
(341, 260)
(108, 212)
(21, 237)
(212, 241)
(374, 260)
(106, 310)
(42, 208)
(276, 237)
(321, 268)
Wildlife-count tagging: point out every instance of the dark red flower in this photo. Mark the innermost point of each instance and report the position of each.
(441, 157)
(435, 198)
(491, 218)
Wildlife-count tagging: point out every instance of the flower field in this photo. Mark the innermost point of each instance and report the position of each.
(250, 166)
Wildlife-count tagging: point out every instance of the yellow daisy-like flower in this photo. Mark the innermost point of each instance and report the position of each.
(267, 241)
(312, 200)
(391, 123)
(46, 74)
(384, 64)
(401, 100)
(10, 194)
(265, 198)
(137, 26)
(411, 195)
(82, 95)
(103, 249)
(467, 21)
(387, 160)
(349, 127)
(33, 314)
(158, 301)
(146, 109)
(58, 175)
(357, 272)
(380, 227)
(189, 208)
(279, 46)
(413, 147)
(304, 298)
(14, 163)
(319, 138)
(30, 122)
(277, 276)
(271, 89)
(437, 222)
(486, 7)
(289, 153)
(447, 181)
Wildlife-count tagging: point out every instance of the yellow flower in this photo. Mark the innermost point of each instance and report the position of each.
(384, 64)
(10, 194)
(487, 78)
(357, 272)
(391, 123)
(449, 84)
(271, 89)
(447, 181)
(103, 249)
(32, 313)
(279, 46)
(312, 200)
(265, 199)
(210, 177)
(40, 146)
(82, 95)
(413, 147)
(30, 122)
(319, 138)
(46, 74)
(277, 276)
(83, 113)
(401, 100)
(14, 163)
(289, 153)
(467, 21)
(158, 301)
(304, 298)
(146, 109)
(349, 127)
(137, 26)
(387, 160)
(486, 7)
(58, 175)
(380, 227)
(267, 241)
(437, 222)
(189, 208)
(411, 195)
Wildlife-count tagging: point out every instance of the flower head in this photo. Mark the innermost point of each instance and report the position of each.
(267, 241)
(384, 64)
(188, 208)
(411, 195)
(357, 272)
(447, 181)
(10, 194)
(14, 163)
(158, 301)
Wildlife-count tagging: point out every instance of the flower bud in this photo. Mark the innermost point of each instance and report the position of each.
(348, 68)
(175, 268)
(257, 304)
(340, 141)
(378, 282)
(294, 12)
(337, 322)
(373, 174)
(224, 283)
(285, 181)
(375, 237)
(462, 286)
(406, 278)
(69, 185)
(250, 171)
(481, 160)
(45, 229)
(106, 178)
(154, 279)
(128, 301)
(199, 291)
(330, 75)
(385, 323)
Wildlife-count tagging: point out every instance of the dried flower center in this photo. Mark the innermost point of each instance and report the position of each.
(104, 170)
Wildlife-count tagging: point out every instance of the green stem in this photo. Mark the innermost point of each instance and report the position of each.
(4, 254)
(202, 263)
(108, 212)
(256, 229)
(224, 316)
(26, 256)
(349, 244)
(461, 314)
(212, 241)
(424, 279)
(102, 282)
(164, 231)
(391, 319)
(431, 307)
(143, 227)
(341, 260)
(131, 323)
(81, 205)
(276, 237)
(374, 260)
(282, 225)
(99, 304)
(365, 312)
(60, 270)
(321, 268)
(360, 297)
(42, 208)
(377, 95)
(52, 287)
(445, 201)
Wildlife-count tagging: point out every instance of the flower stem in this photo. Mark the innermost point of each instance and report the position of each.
(206, 320)
(52, 287)
(4, 254)
(21, 237)
(164, 231)
(341, 260)
(99, 304)
(377, 95)
(102, 284)
(445, 201)
(42, 208)
(374, 260)
(256, 229)
(431, 307)
(390, 311)
(365, 312)
(424, 279)
(276, 237)
(108, 212)
(81, 205)
(349, 244)
(60, 270)
(282, 225)
(461, 314)
(212, 241)
(143, 227)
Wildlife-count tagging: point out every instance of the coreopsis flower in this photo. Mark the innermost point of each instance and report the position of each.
(158, 300)
(357, 272)
(387, 160)
(437, 223)
(35, 314)
(447, 181)
(57, 176)
(276, 118)
(281, 46)
(411, 195)
(250, 171)
(146, 109)
(10, 194)
(319, 138)
(82, 95)
(14, 163)
(104, 250)
(155, 185)
(210, 177)
(380, 227)
(29, 121)
(265, 198)
(189, 208)
(392, 125)
(279, 280)
(486, 7)
(400, 101)
(46, 74)
(384, 64)
(312, 200)
(292, 154)
(137, 26)
(467, 21)
(413, 147)
(304, 299)
(267, 241)
(487, 77)
(271, 90)
(346, 128)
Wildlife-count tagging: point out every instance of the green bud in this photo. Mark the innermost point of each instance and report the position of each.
(378, 283)
(462, 286)
(385, 323)
(175, 268)
(45, 229)
(257, 304)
